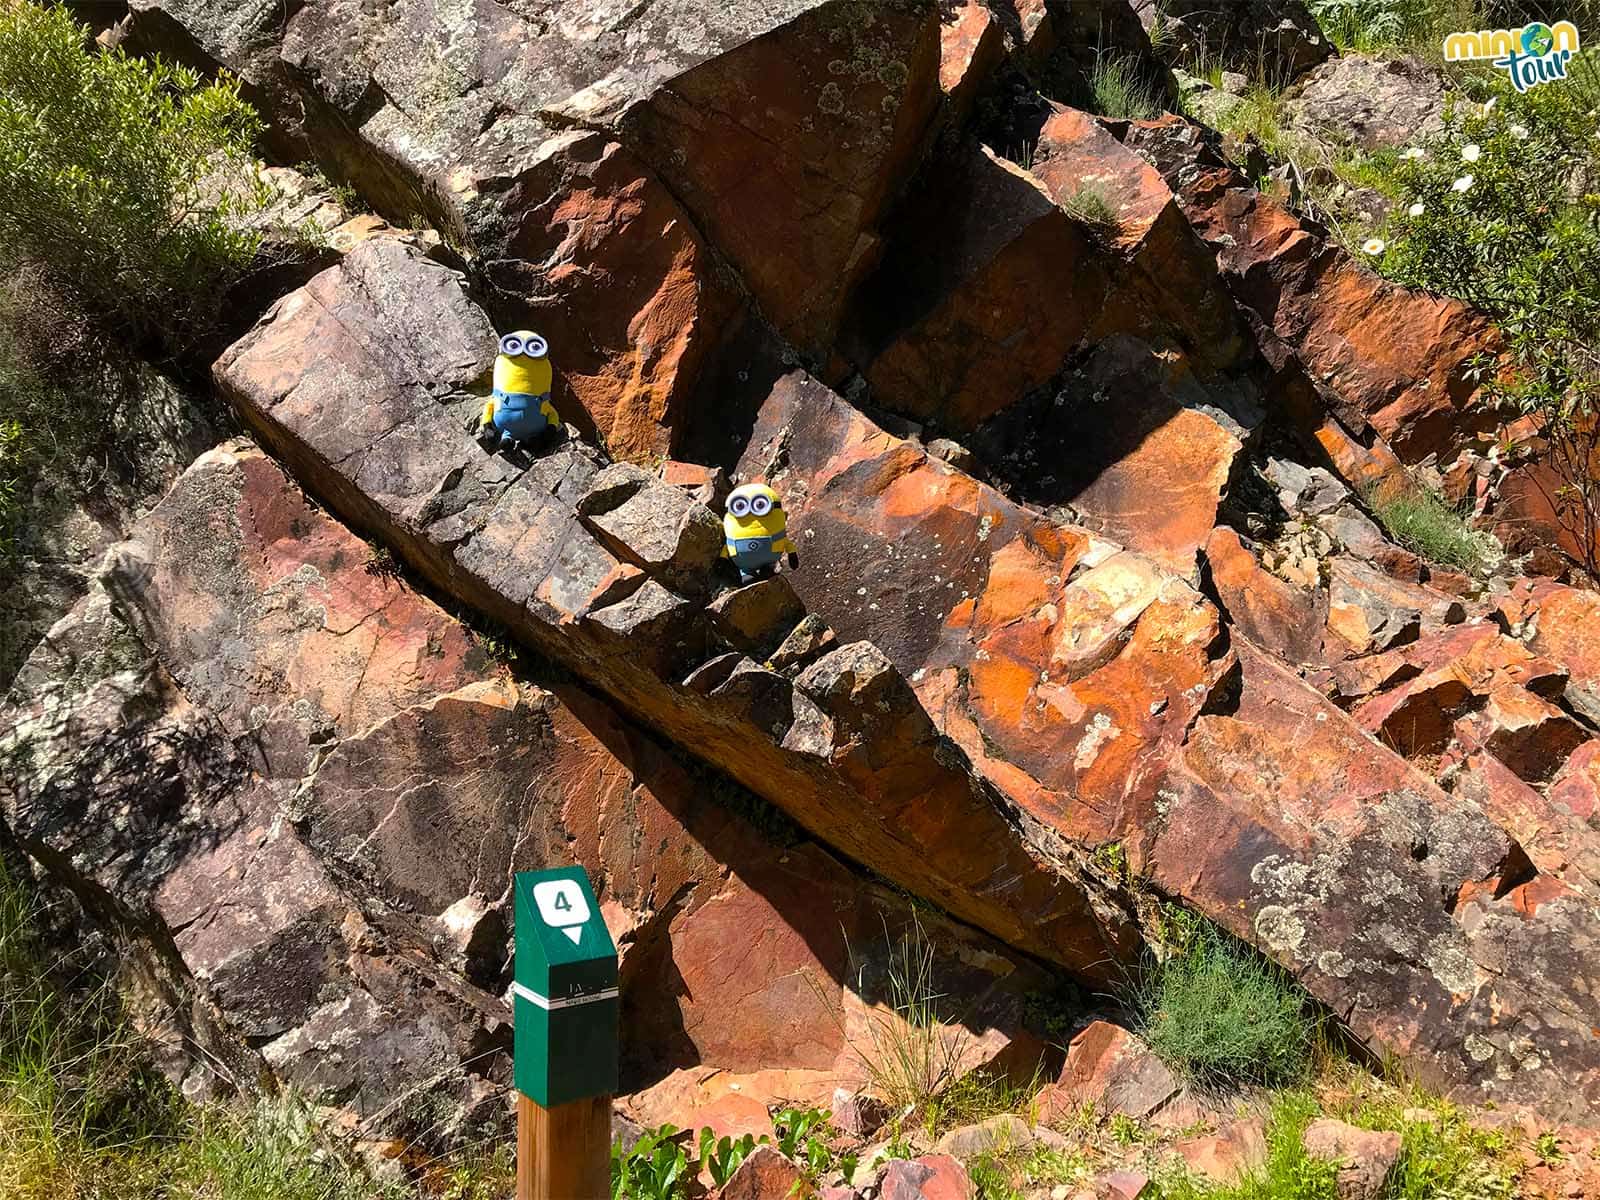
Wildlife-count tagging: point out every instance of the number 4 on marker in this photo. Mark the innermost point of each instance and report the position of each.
(562, 905)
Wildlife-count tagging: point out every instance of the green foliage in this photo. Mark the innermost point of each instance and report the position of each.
(656, 1167)
(659, 1166)
(992, 1179)
(110, 170)
(1222, 1015)
(1423, 523)
(13, 471)
(1548, 1148)
(83, 1115)
(803, 1136)
(1009, 1175)
(1125, 1130)
(723, 1155)
(1288, 1174)
(1442, 1157)
(1502, 210)
(1416, 25)
(1118, 90)
(975, 1096)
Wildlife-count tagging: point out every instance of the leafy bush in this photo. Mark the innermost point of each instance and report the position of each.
(1220, 1014)
(1503, 211)
(655, 1168)
(1423, 523)
(110, 170)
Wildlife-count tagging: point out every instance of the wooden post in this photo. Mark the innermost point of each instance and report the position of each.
(564, 1153)
(566, 1007)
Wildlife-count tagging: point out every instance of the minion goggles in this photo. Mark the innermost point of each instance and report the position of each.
(760, 506)
(534, 347)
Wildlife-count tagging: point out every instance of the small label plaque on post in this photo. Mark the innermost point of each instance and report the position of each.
(565, 1007)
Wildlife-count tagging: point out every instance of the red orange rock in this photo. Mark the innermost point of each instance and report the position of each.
(1274, 614)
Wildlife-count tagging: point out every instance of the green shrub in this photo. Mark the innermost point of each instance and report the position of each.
(1502, 210)
(112, 175)
(1423, 523)
(656, 1167)
(1441, 1155)
(1220, 1014)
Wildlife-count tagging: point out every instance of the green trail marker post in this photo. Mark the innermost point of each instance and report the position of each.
(565, 1008)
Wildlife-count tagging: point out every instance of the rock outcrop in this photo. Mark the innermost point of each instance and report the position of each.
(1075, 431)
(841, 739)
(1038, 690)
(297, 789)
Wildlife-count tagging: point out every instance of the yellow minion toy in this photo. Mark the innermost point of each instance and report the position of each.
(755, 531)
(519, 410)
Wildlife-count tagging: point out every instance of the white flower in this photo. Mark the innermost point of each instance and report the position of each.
(1416, 210)
(1488, 105)
(1470, 152)
(1415, 152)
(1520, 132)
(1461, 184)
(1374, 246)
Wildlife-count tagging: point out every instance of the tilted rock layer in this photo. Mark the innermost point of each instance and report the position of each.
(307, 787)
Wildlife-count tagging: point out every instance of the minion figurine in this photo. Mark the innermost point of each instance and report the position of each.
(520, 409)
(755, 531)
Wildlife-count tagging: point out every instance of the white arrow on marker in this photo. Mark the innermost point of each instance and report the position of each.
(575, 932)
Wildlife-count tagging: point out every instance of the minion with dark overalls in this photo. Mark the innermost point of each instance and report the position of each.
(755, 531)
(519, 412)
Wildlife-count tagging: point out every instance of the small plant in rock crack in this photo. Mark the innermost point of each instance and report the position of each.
(381, 563)
(909, 1052)
(1223, 1016)
(1090, 206)
(803, 1136)
(1118, 89)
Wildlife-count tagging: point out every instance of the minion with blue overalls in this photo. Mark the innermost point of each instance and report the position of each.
(755, 531)
(519, 412)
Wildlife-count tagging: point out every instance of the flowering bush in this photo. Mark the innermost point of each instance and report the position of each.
(1502, 210)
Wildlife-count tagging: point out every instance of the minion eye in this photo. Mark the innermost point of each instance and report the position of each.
(511, 344)
(535, 346)
(739, 506)
(761, 506)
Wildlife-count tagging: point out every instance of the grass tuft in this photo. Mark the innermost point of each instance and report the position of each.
(1090, 206)
(83, 1115)
(910, 1055)
(1221, 1015)
(1289, 1173)
(1424, 524)
(1118, 90)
